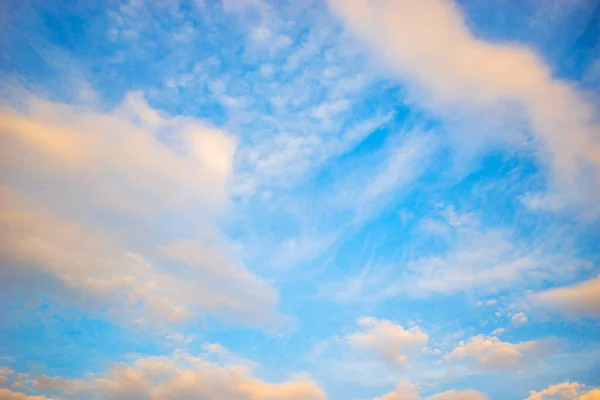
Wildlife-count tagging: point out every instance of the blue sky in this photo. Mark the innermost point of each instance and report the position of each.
(254, 200)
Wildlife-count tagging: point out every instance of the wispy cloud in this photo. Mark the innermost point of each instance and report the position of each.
(474, 76)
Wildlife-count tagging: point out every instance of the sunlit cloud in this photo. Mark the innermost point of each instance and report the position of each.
(339, 199)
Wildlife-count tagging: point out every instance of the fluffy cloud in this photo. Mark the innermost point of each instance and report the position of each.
(565, 391)
(132, 160)
(472, 77)
(180, 376)
(519, 319)
(579, 300)
(85, 194)
(391, 343)
(6, 394)
(490, 353)
(407, 391)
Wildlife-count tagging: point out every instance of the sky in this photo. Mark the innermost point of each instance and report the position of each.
(300, 200)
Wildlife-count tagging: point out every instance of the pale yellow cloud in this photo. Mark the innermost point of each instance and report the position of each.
(84, 196)
(180, 376)
(132, 159)
(579, 300)
(489, 352)
(408, 391)
(387, 341)
(428, 44)
(6, 394)
(565, 391)
(90, 262)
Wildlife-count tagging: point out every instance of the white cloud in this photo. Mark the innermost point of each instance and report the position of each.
(404, 163)
(498, 331)
(519, 319)
(575, 301)
(387, 175)
(478, 259)
(490, 353)
(491, 302)
(473, 77)
(481, 259)
(179, 376)
(389, 342)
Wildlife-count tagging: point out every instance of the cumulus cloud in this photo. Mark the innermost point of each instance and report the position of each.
(579, 300)
(565, 391)
(408, 391)
(180, 376)
(82, 193)
(389, 342)
(473, 77)
(131, 160)
(519, 319)
(492, 354)
(7, 394)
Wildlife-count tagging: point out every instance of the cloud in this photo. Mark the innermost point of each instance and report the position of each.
(404, 161)
(459, 395)
(7, 394)
(565, 391)
(575, 301)
(389, 342)
(499, 331)
(476, 259)
(519, 319)
(492, 354)
(472, 77)
(179, 376)
(485, 259)
(593, 395)
(133, 159)
(84, 196)
(408, 391)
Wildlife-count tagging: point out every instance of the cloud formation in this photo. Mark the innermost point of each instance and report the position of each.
(408, 391)
(180, 376)
(565, 391)
(389, 342)
(477, 258)
(519, 319)
(492, 354)
(575, 301)
(430, 47)
(82, 191)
